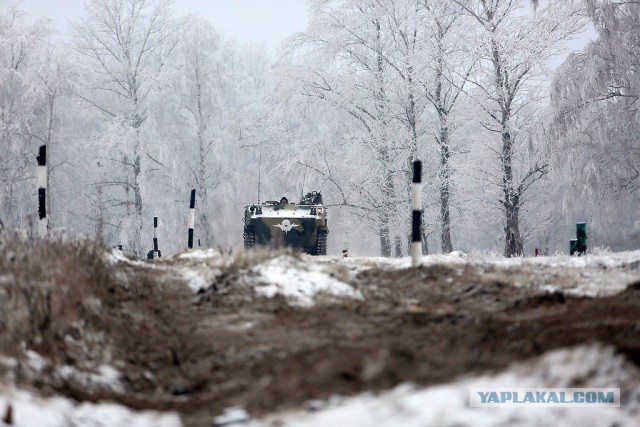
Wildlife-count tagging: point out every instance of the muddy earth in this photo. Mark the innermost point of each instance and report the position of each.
(200, 350)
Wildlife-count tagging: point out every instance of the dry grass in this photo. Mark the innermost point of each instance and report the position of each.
(73, 306)
(45, 289)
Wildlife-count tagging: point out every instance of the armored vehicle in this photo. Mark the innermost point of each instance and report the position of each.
(283, 224)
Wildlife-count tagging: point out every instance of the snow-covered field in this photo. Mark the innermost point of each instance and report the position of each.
(304, 282)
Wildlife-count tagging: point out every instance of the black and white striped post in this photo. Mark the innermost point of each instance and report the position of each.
(42, 191)
(416, 206)
(192, 217)
(156, 251)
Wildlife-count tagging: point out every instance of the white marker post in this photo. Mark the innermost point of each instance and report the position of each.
(192, 217)
(416, 206)
(43, 224)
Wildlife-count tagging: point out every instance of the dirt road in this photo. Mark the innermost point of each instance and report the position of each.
(198, 353)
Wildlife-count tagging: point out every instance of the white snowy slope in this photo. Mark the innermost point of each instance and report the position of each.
(30, 410)
(448, 404)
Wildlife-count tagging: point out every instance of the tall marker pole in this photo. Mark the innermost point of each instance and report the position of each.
(416, 220)
(156, 251)
(192, 217)
(42, 191)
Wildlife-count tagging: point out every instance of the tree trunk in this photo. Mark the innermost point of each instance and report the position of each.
(203, 150)
(445, 189)
(511, 202)
(385, 241)
(49, 201)
(443, 144)
(137, 195)
(388, 193)
(513, 240)
(207, 232)
(100, 219)
(398, 247)
(425, 242)
(206, 229)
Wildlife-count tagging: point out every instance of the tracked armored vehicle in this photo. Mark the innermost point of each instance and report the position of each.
(282, 224)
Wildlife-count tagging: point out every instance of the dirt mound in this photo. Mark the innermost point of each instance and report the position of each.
(227, 345)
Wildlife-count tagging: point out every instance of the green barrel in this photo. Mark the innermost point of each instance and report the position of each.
(581, 234)
(573, 246)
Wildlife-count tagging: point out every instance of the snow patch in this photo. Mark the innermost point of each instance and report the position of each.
(300, 284)
(200, 254)
(195, 279)
(231, 416)
(107, 377)
(115, 256)
(30, 410)
(35, 361)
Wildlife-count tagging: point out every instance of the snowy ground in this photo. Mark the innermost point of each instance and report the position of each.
(448, 404)
(406, 405)
(302, 279)
(304, 282)
(30, 410)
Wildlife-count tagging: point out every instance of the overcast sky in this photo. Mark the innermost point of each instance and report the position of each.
(268, 21)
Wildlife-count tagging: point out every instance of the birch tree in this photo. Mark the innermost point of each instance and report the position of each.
(125, 44)
(20, 46)
(347, 68)
(596, 122)
(201, 98)
(451, 64)
(596, 97)
(53, 82)
(516, 47)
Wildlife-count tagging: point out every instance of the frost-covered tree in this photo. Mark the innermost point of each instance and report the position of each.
(200, 102)
(516, 47)
(405, 30)
(208, 94)
(354, 60)
(596, 101)
(596, 94)
(450, 63)
(124, 45)
(20, 101)
(53, 83)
